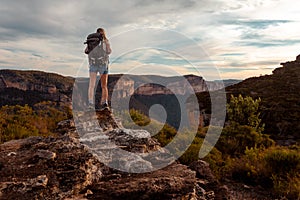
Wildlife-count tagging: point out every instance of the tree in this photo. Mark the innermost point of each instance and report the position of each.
(244, 128)
(245, 111)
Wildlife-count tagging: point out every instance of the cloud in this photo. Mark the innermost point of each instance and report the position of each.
(232, 54)
(254, 23)
(49, 35)
(268, 43)
(170, 3)
(77, 18)
(242, 65)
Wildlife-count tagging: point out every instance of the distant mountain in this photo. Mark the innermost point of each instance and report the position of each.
(29, 87)
(19, 87)
(228, 82)
(158, 85)
(280, 97)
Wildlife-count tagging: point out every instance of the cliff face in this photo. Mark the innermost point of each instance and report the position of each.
(65, 167)
(29, 87)
(121, 88)
(186, 85)
(52, 87)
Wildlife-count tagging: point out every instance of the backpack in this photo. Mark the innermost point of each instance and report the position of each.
(96, 54)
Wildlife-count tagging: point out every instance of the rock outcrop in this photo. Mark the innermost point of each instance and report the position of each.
(66, 167)
(46, 168)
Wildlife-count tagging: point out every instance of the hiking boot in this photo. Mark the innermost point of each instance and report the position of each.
(91, 106)
(104, 106)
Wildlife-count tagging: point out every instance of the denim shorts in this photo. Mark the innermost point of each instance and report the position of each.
(102, 69)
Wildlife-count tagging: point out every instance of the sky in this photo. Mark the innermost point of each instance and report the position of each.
(217, 39)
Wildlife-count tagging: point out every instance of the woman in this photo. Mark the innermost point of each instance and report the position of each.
(103, 71)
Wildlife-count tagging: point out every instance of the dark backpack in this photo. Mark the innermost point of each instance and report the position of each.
(94, 49)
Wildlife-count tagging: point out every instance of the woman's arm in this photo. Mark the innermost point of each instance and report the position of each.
(108, 48)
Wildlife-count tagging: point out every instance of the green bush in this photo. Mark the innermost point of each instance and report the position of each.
(244, 128)
(217, 163)
(283, 165)
(192, 153)
(282, 161)
(276, 168)
(234, 140)
(139, 118)
(245, 111)
(17, 122)
(288, 186)
(16, 131)
(165, 135)
(250, 168)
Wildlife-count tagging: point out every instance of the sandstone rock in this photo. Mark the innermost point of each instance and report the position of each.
(203, 171)
(45, 154)
(40, 181)
(66, 167)
(46, 168)
(173, 182)
(208, 181)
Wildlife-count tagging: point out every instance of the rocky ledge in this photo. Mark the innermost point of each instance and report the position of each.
(69, 167)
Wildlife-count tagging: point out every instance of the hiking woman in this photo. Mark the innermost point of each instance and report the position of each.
(102, 69)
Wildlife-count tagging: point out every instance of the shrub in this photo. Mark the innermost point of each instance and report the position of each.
(165, 135)
(217, 163)
(250, 168)
(244, 129)
(284, 166)
(288, 186)
(139, 118)
(245, 111)
(192, 153)
(17, 122)
(276, 168)
(282, 161)
(234, 140)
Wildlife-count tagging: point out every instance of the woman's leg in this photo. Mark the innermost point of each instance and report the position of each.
(104, 96)
(91, 92)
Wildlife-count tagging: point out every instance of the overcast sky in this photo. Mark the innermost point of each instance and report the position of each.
(216, 38)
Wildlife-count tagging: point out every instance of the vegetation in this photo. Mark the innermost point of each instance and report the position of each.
(244, 129)
(243, 153)
(18, 122)
(276, 168)
(250, 156)
(244, 111)
(279, 95)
